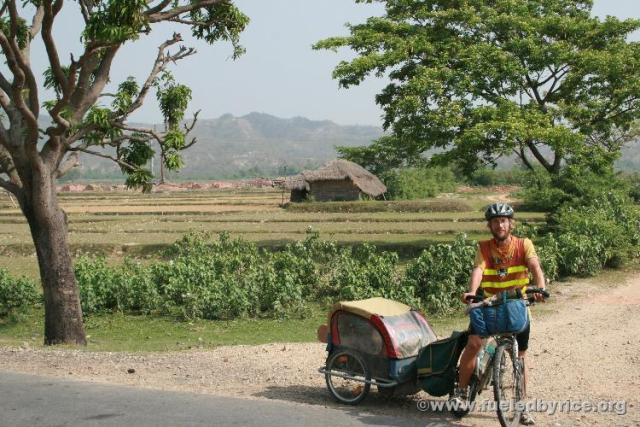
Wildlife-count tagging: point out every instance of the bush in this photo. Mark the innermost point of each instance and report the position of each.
(487, 177)
(633, 183)
(205, 278)
(16, 294)
(97, 283)
(441, 274)
(419, 182)
(363, 272)
(604, 233)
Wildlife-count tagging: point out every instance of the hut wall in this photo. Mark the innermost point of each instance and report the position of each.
(324, 191)
(298, 195)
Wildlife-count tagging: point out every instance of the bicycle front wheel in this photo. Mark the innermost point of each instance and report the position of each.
(508, 386)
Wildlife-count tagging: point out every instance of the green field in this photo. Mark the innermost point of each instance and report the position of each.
(131, 223)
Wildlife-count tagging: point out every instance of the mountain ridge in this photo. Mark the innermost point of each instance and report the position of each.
(255, 144)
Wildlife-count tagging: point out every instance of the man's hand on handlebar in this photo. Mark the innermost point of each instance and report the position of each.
(537, 294)
(468, 297)
(538, 297)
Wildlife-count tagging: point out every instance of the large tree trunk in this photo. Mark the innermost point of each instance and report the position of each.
(63, 314)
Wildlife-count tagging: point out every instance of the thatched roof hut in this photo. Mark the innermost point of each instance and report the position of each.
(337, 180)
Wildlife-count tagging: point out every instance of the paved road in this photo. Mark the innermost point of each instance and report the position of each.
(27, 400)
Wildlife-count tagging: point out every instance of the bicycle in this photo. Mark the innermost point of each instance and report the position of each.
(497, 354)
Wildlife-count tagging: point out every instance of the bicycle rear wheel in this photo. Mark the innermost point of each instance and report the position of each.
(508, 386)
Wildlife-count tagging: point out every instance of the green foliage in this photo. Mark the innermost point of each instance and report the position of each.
(173, 99)
(603, 233)
(98, 120)
(577, 184)
(50, 81)
(116, 21)
(230, 278)
(220, 21)
(136, 153)
(441, 274)
(139, 178)
(633, 182)
(419, 183)
(16, 294)
(22, 31)
(591, 217)
(473, 80)
(382, 155)
(361, 272)
(174, 140)
(127, 90)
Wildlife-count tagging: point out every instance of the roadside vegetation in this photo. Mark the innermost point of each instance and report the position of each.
(201, 286)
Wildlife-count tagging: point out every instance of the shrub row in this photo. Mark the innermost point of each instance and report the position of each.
(16, 294)
(225, 278)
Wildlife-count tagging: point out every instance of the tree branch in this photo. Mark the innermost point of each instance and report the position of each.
(150, 132)
(104, 156)
(72, 161)
(523, 156)
(536, 153)
(160, 63)
(18, 84)
(10, 187)
(36, 23)
(50, 11)
(86, 94)
(159, 16)
(159, 7)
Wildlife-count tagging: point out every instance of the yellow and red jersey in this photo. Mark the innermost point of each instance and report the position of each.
(504, 268)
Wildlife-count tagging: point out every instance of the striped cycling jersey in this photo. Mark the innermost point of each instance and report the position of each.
(506, 269)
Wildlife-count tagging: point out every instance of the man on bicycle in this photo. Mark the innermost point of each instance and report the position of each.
(502, 263)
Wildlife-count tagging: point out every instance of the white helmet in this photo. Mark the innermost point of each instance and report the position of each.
(498, 210)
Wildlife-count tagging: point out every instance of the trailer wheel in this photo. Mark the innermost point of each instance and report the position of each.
(348, 377)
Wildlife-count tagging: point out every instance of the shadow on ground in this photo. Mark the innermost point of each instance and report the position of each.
(374, 410)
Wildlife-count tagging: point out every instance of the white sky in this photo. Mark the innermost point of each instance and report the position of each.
(279, 74)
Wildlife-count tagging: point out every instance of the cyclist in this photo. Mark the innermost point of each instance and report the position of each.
(501, 263)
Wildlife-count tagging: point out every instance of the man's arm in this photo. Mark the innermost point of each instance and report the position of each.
(474, 283)
(538, 275)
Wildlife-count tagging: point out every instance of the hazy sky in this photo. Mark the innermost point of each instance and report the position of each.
(279, 74)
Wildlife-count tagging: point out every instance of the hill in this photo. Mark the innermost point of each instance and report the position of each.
(259, 144)
(256, 144)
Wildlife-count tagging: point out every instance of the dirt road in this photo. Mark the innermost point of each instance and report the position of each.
(585, 347)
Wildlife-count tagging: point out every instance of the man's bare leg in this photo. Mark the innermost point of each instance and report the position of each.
(468, 360)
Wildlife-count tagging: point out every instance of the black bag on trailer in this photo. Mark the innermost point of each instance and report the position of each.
(437, 364)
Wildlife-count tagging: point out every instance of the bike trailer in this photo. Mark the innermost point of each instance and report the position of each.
(437, 363)
(386, 333)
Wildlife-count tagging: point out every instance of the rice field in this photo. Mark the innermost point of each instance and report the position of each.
(129, 223)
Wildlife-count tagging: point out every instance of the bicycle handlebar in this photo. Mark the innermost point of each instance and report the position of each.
(542, 291)
(530, 291)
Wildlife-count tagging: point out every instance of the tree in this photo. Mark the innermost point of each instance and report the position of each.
(173, 99)
(31, 159)
(480, 79)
